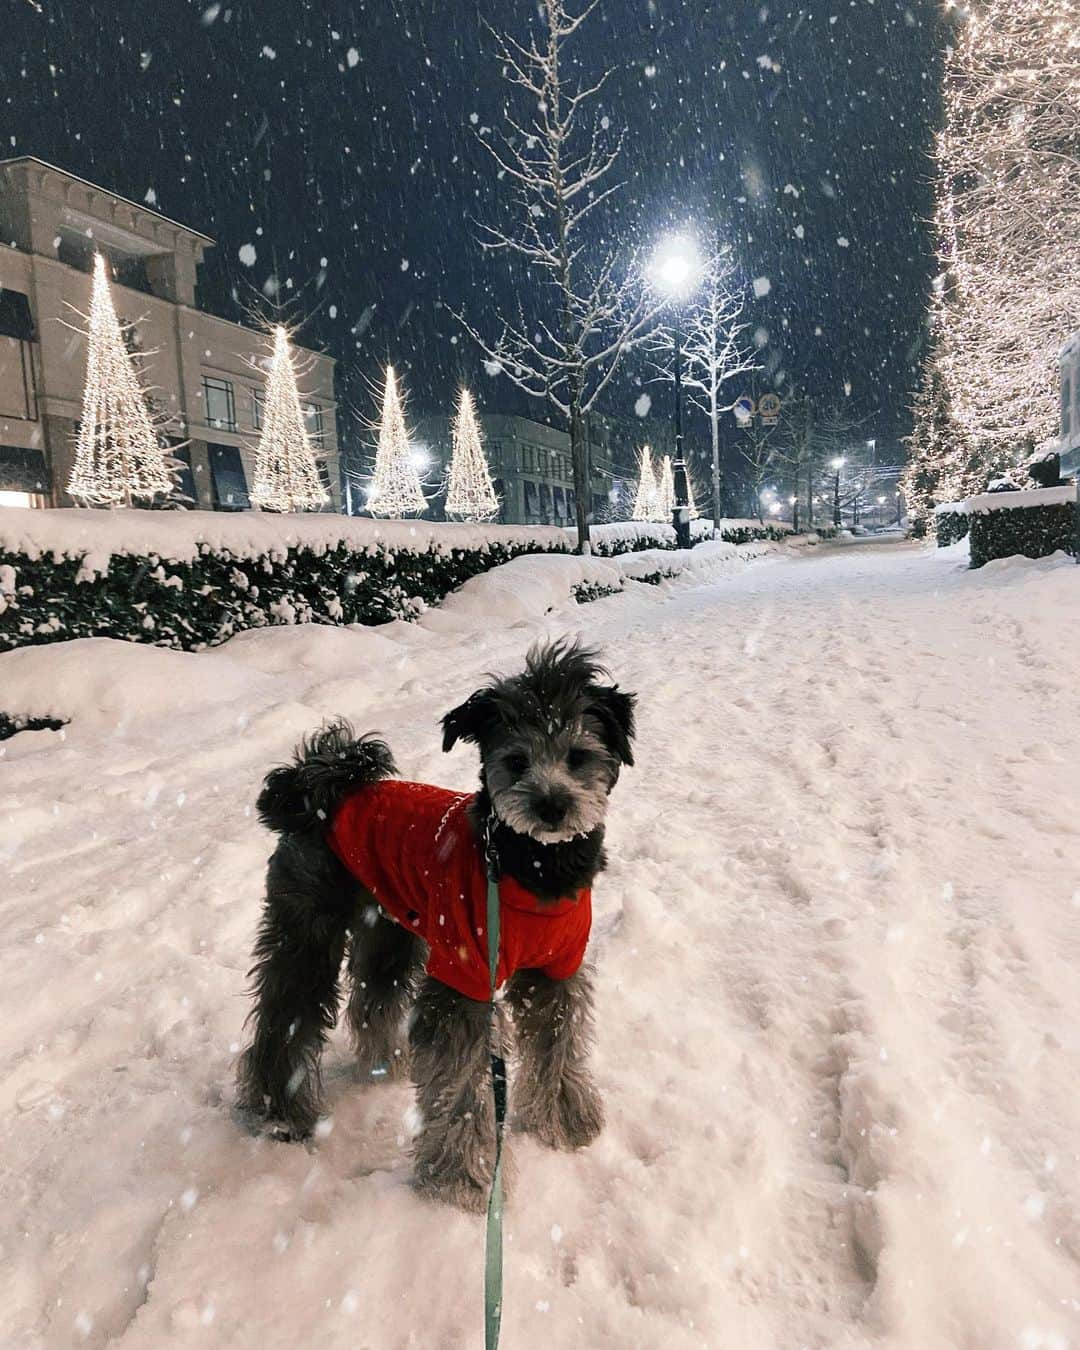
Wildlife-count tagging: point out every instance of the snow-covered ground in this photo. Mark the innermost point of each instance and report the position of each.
(838, 1001)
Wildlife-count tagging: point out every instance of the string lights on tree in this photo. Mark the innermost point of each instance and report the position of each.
(645, 505)
(1008, 227)
(395, 485)
(119, 457)
(470, 491)
(665, 492)
(286, 472)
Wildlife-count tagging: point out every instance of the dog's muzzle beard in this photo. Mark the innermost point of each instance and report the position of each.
(522, 809)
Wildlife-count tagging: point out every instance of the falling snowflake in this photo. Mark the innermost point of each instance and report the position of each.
(247, 254)
(643, 404)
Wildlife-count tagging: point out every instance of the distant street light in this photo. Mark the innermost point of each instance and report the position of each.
(675, 271)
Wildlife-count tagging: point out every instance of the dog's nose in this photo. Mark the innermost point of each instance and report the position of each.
(551, 810)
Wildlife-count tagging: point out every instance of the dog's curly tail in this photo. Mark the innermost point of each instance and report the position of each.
(301, 797)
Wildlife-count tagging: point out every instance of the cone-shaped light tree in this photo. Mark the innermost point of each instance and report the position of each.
(665, 492)
(645, 503)
(286, 474)
(395, 485)
(119, 458)
(470, 491)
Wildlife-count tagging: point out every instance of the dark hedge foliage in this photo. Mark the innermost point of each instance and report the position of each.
(198, 604)
(1031, 531)
(11, 726)
(952, 526)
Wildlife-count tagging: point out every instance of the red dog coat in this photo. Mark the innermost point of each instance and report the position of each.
(413, 847)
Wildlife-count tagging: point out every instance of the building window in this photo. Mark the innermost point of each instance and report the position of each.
(560, 506)
(256, 409)
(532, 503)
(313, 420)
(545, 503)
(220, 404)
(185, 479)
(17, 394)
(1066, 405)
(228, 479)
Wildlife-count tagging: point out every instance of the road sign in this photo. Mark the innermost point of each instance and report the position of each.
(769, 409)
(744, 409)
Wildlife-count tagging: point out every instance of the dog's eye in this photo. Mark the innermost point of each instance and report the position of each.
(517, 764)
(577, 758)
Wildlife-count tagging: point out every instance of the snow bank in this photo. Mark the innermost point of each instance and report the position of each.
(986, 502)
(523, 588)
(176, 536)
(104, 682)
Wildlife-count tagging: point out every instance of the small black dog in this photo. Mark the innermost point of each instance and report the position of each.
(393, 875)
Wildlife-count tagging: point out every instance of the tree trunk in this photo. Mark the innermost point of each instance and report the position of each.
(579, 456)
(714, 418)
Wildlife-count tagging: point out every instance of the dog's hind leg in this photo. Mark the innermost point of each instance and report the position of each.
(455, 1150)
(384, 966)
(298, 953)
(553, 1095)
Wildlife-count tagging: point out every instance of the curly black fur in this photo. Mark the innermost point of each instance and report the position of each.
(560, 680)
(300, 797)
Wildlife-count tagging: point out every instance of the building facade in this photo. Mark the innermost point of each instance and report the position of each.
(204, 376)
(1068, 443)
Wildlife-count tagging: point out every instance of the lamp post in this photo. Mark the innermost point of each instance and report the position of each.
(675, 269)
(837, 464)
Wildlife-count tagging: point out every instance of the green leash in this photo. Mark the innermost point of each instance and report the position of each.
(493, 1255)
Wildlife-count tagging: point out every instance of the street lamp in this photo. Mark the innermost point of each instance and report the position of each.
(837, 464)
(676, 267)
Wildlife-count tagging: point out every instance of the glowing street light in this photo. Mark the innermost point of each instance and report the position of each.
(676, 266)
(675, 271)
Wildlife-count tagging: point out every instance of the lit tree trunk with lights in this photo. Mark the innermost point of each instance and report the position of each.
(1008, 223)
(594, 307)
(286, 473)
(119, 457)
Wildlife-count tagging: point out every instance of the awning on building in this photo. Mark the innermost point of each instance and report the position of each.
(16, 321)
(23, 470)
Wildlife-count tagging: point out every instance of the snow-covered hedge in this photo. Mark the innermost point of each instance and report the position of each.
(632, 536)
(1033, 524)
(190, 580)
(951, 523)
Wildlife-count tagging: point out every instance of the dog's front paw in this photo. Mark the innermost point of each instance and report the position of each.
(461, 1192)
(570, 1121)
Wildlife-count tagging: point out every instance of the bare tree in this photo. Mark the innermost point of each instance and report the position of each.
(797, 446)
(758, 450)
(592, 305)
(713, 348)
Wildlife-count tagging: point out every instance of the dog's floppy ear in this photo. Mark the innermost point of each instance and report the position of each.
(615, 711)
(469, 720)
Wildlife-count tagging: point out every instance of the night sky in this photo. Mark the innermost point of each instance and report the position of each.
(339, 139)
